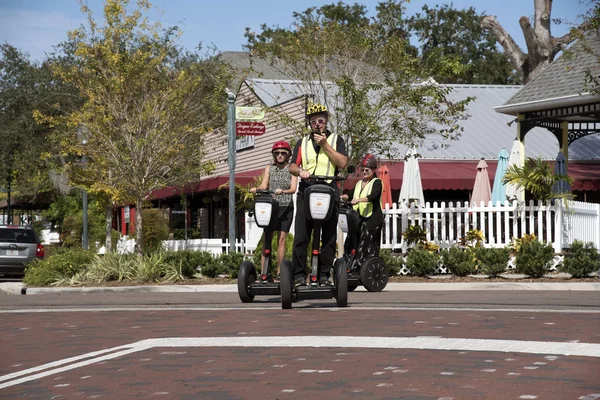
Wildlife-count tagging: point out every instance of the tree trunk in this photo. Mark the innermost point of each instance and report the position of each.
(138, 227)
(108, 221)
(541, 46)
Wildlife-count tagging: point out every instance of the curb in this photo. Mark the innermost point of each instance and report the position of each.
(19, 288)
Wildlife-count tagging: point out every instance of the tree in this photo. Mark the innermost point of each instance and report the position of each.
(25, 88)
(448, 32)
(542, 47)
(537, 177)
(366, 72)
(588, 36)
(147, 107)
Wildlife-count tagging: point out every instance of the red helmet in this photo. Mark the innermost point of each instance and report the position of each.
(281, 145)
(369, 161)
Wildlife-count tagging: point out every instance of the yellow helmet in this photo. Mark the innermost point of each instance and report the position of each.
(315, 109)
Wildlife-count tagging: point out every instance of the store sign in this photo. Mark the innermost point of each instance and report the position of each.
(244, 142)
(244, 128)
(249, 113)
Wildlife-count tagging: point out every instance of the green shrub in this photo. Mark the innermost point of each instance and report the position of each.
(192, 233)
(582, 260)
(393, 261)
(62, 264)
(534, 258)
(156, 229)
(414, 234)
(189, 260)
(289, 248)
(150, 267)
(111, 267)
(230, 264)
(459, 262)
(422, 262)
(493, 261)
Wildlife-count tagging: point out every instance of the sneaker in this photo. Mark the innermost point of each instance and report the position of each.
(300, 281)
(324, 281)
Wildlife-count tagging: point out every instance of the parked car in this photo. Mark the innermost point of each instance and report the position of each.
(19, 245)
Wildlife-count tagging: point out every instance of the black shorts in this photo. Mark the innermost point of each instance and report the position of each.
(284, 222)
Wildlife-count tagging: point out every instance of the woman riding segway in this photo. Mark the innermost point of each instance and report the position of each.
(368, 268)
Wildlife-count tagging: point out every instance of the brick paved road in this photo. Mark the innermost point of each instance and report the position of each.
(191, 368)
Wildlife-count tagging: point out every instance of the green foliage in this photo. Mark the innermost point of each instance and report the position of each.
(458, 261)
(230, 263)
(537, 177)
(534, 258)
(62, 263)
(150, 267)
(493, 261)
(456, 49)
(582, 260)
(394, 262)
(422, 262)
(148, 106)
(414, 234)
(156, 229)
(111, 267)
(289, 248)
(190, 261)
(192, 233)
(374, 69)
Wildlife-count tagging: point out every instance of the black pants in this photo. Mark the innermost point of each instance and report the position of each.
(303, 232)
(370, 242)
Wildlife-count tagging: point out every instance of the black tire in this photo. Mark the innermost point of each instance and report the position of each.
(374, 274)
(352, 288)
(341, 283)
(285, 284)
(246, 276)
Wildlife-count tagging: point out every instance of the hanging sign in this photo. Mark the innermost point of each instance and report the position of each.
(249, 113)
(243, 128)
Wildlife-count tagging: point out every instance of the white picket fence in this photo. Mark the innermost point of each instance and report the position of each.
(559, 223)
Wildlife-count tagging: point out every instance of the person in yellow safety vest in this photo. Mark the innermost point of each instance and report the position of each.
(320, 153)
(366, 200)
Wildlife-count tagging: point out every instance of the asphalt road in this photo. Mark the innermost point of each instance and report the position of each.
(432, 344)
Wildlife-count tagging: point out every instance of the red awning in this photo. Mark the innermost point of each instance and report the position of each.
(460, 174)
(208, 184)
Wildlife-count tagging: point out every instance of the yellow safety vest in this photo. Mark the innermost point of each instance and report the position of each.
(317, 164)
(364, 209)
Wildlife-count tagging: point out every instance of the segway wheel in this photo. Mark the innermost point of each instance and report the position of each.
(246, 276)
(285, 284)
(341, 283)
(374, 274)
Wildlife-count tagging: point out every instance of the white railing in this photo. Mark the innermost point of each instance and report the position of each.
(446, 224)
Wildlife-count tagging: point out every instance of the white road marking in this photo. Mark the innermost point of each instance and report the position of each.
(419, 342)
(286, 313)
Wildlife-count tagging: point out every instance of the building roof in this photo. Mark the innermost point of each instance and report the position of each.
(563, 80)
(486, 132)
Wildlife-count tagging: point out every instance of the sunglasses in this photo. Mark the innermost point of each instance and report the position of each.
(366, 170)
(280, 153)
(319, 121)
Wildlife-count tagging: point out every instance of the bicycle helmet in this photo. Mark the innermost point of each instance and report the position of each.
(282, 145)
(316, 109)
(369, 161)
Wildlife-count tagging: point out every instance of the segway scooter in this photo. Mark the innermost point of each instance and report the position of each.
(373, 274)
(266, 211)
(319, 204)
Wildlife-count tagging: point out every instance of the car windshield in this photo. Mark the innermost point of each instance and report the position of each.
(16, 235)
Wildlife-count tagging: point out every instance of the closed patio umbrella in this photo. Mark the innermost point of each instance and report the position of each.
(499, 189)
(412, 188)
(512, 191)
(383, 173)
(481, 189)
(560, 168)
